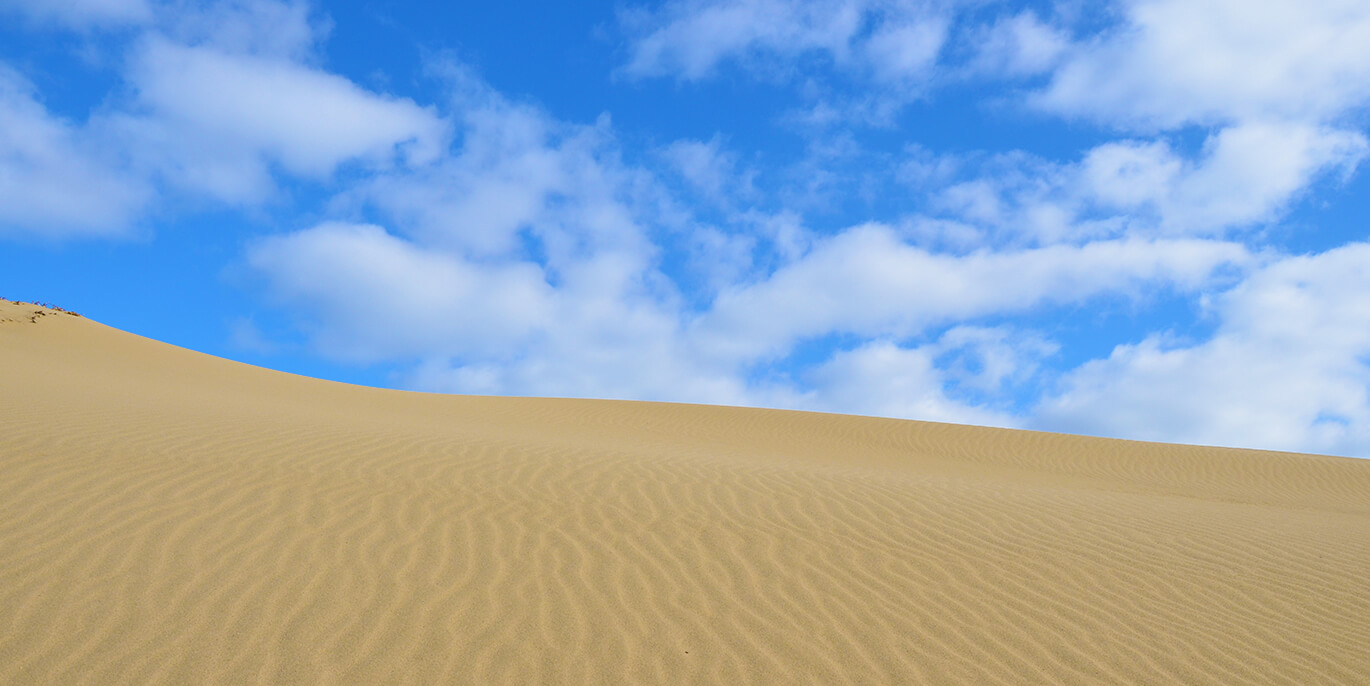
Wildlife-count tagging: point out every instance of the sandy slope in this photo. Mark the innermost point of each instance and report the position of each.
(169, 517)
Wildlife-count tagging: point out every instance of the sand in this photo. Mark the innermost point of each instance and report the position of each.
(171, 517)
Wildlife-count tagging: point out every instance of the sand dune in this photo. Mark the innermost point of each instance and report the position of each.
(170, 517)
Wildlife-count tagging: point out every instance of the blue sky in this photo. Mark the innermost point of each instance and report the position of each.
(1142, 219)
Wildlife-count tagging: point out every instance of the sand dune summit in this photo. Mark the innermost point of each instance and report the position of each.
(170, 517)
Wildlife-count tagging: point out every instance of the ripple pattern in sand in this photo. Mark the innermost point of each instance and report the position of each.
(319, 534)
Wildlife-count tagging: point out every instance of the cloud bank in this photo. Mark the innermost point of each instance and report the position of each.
(480, 243)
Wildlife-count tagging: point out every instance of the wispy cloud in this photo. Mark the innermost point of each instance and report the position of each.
(58, 178)
(1172, 63)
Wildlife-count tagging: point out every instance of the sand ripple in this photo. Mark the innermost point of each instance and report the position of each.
(167, 517)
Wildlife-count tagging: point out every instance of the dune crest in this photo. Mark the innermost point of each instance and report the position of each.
(171, 517)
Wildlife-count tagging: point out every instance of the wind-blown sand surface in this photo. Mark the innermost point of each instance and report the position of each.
(170, 517)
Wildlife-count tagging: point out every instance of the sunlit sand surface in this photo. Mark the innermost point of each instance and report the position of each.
(167, 517)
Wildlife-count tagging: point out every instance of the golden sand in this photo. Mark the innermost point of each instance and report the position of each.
(171, 517)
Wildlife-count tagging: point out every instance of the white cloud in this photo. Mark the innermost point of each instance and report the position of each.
(1287, 368)
(465, 204)
(948, 379)
(519, 178)
(521, 263)
(488, 326)
(379, 296)
(719, 259)
(692, 38)
(1252, 171)
(59, 179)
(1129, 174)
(221, 118)
(1020, 45)
(265, 28)
(223, 110)
(786, 233)
(906, 50)
(708, 168)
(1215, 62)
(1245, 175)
(1017, 198)
(891, 41)
(1248, 174)
(605, 329)
(866, 281)
(531, 259)
(1164, 65)
(600, 317)
(82, 14)
(987, 359)
(881, 378)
